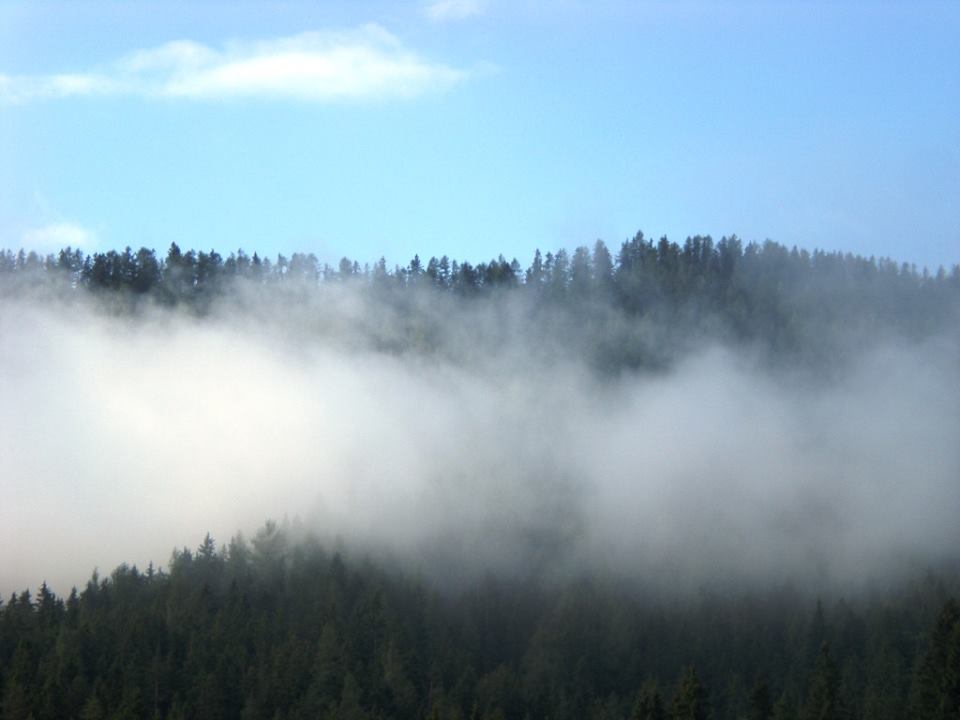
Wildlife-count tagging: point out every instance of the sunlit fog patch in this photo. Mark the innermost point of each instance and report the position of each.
(123, 437)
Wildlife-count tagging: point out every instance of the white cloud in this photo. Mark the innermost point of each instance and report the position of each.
(56, 236)
(451, 10)
(364, 63)
(16, 89)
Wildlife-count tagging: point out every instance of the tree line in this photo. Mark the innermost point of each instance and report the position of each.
(640, 273)
(277, 628)
(642, 302)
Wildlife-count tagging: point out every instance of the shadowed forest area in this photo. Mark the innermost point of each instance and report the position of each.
(276, 629)
(752, 593)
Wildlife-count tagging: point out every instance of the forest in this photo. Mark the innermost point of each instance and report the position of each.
(836, 597)
(277, 628)
(640, 308)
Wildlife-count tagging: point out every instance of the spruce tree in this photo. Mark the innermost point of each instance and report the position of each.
(690, 701)
(649, 705)
(823, 697)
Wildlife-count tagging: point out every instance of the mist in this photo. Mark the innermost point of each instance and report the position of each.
(490, 445)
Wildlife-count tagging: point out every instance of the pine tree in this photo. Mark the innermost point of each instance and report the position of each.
(938, 681)
(784, 709)
(649, 705)
(761, 707)
(92, 709)
(690, 701)
(823, 696)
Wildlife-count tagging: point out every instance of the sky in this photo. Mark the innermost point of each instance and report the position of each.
(478, 127)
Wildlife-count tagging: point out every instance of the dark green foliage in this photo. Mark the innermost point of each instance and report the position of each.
(649, 705)
(291, 631)
(761, 707)
(690, 702)
(824, 701)
(937, 685)
(640, 308)
(784, 709)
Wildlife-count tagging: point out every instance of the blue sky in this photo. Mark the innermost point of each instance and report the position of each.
(478, 127)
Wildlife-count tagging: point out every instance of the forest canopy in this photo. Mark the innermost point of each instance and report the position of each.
(281, 628)
(642, 305)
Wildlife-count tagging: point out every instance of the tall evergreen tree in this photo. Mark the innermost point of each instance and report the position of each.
(824, 701)
(649, 705)
(690, 702)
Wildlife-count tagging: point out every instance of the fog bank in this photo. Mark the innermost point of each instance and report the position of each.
(121, 437)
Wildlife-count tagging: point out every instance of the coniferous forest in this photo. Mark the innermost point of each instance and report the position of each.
(785, 300)
(291, 623)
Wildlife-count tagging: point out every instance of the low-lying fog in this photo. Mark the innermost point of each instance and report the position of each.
(121, 438)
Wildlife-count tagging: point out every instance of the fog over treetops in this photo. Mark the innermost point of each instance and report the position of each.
(680, 416)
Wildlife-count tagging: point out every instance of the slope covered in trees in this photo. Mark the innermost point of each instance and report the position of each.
(287, 626)
(276, 628)
(641, 307)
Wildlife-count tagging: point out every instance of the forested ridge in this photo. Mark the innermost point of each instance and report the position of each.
(286, 625)
(279, 629)
(645, 303)
(274, 628)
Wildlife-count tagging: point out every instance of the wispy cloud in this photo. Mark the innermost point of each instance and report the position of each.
(359, 64)
(56, 236)
(451, 10)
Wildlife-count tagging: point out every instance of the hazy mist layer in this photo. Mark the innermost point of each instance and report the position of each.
(120, 438)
